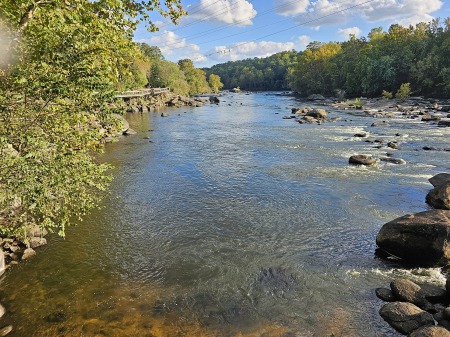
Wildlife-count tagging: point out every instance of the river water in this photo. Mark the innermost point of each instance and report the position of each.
(230, 221)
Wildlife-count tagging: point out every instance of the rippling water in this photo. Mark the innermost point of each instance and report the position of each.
(231, 222)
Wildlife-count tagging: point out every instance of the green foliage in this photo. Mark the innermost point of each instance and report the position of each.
(359, 66)
(196, 78)
(270, 73)
(168, 74)
(387, 94)
(66, 58)
(404, 91)
(357, 102)
(214, 83)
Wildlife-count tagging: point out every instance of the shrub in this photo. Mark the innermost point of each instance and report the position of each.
(387, 94)
(404, 92)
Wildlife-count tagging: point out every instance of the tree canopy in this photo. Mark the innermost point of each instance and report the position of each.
(65, 59)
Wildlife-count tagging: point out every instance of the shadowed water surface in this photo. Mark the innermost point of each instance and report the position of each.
(230, 222)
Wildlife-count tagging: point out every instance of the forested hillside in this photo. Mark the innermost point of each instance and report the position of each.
(270, 73)
(359, 67)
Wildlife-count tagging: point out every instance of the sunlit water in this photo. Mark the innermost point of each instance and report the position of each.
(200, 212)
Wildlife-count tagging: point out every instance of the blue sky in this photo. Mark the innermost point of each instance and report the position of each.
(217, 31)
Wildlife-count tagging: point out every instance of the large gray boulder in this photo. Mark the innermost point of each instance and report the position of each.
(361, 159)
(440, 179)
(405, 317)
(422, 238)
(439, 197)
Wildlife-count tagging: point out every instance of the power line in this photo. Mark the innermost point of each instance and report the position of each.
(204, 19)
(228, 25)
(190, 13)
(228, 50)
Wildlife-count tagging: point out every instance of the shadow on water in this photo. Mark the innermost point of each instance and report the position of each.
(227, 221)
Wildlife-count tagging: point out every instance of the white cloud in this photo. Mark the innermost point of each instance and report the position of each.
(331, 12)
(346, 32)
(289, 7)
(175, 48)
(240, 12)
(415, 19)
(304, 40)
(244, 50)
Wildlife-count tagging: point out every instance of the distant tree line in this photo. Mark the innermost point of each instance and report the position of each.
(359, 67)
(270, 73)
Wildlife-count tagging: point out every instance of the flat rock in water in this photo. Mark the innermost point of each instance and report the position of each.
(422, 238)
(362, 159)
(445, 122)
(440, 179)
(360, 135)
(397, 161)
(439, 197)
(385, 294)
(382, 123)
(431, 331)
(405, 317)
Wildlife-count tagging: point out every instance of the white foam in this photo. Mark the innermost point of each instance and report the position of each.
(421, 275)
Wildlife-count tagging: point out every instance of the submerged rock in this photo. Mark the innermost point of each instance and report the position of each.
(6, 330)
(405, 317)
(397, 161)
(422, 238)
(382, 123)
(276, 280)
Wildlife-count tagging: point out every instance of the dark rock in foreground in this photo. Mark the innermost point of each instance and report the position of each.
(431, 331)
(385, 294)
(422, 238)
(362, 159)
(440, 179)
(405, 317)
(439, 197)
(407, 291)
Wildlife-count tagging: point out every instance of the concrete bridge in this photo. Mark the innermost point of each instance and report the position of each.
(128, 95)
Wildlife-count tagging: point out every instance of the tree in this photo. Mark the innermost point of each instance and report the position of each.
(214, 83)
(55, 94)
(196, 78)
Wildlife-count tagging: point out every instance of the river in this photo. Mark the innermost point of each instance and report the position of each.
(230, 221)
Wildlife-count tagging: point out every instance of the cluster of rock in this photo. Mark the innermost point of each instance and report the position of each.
(422, 239)
(439, 196)
(413, 108)
(157, 101)
(13, 250)
(412, 309)
(310, 116)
